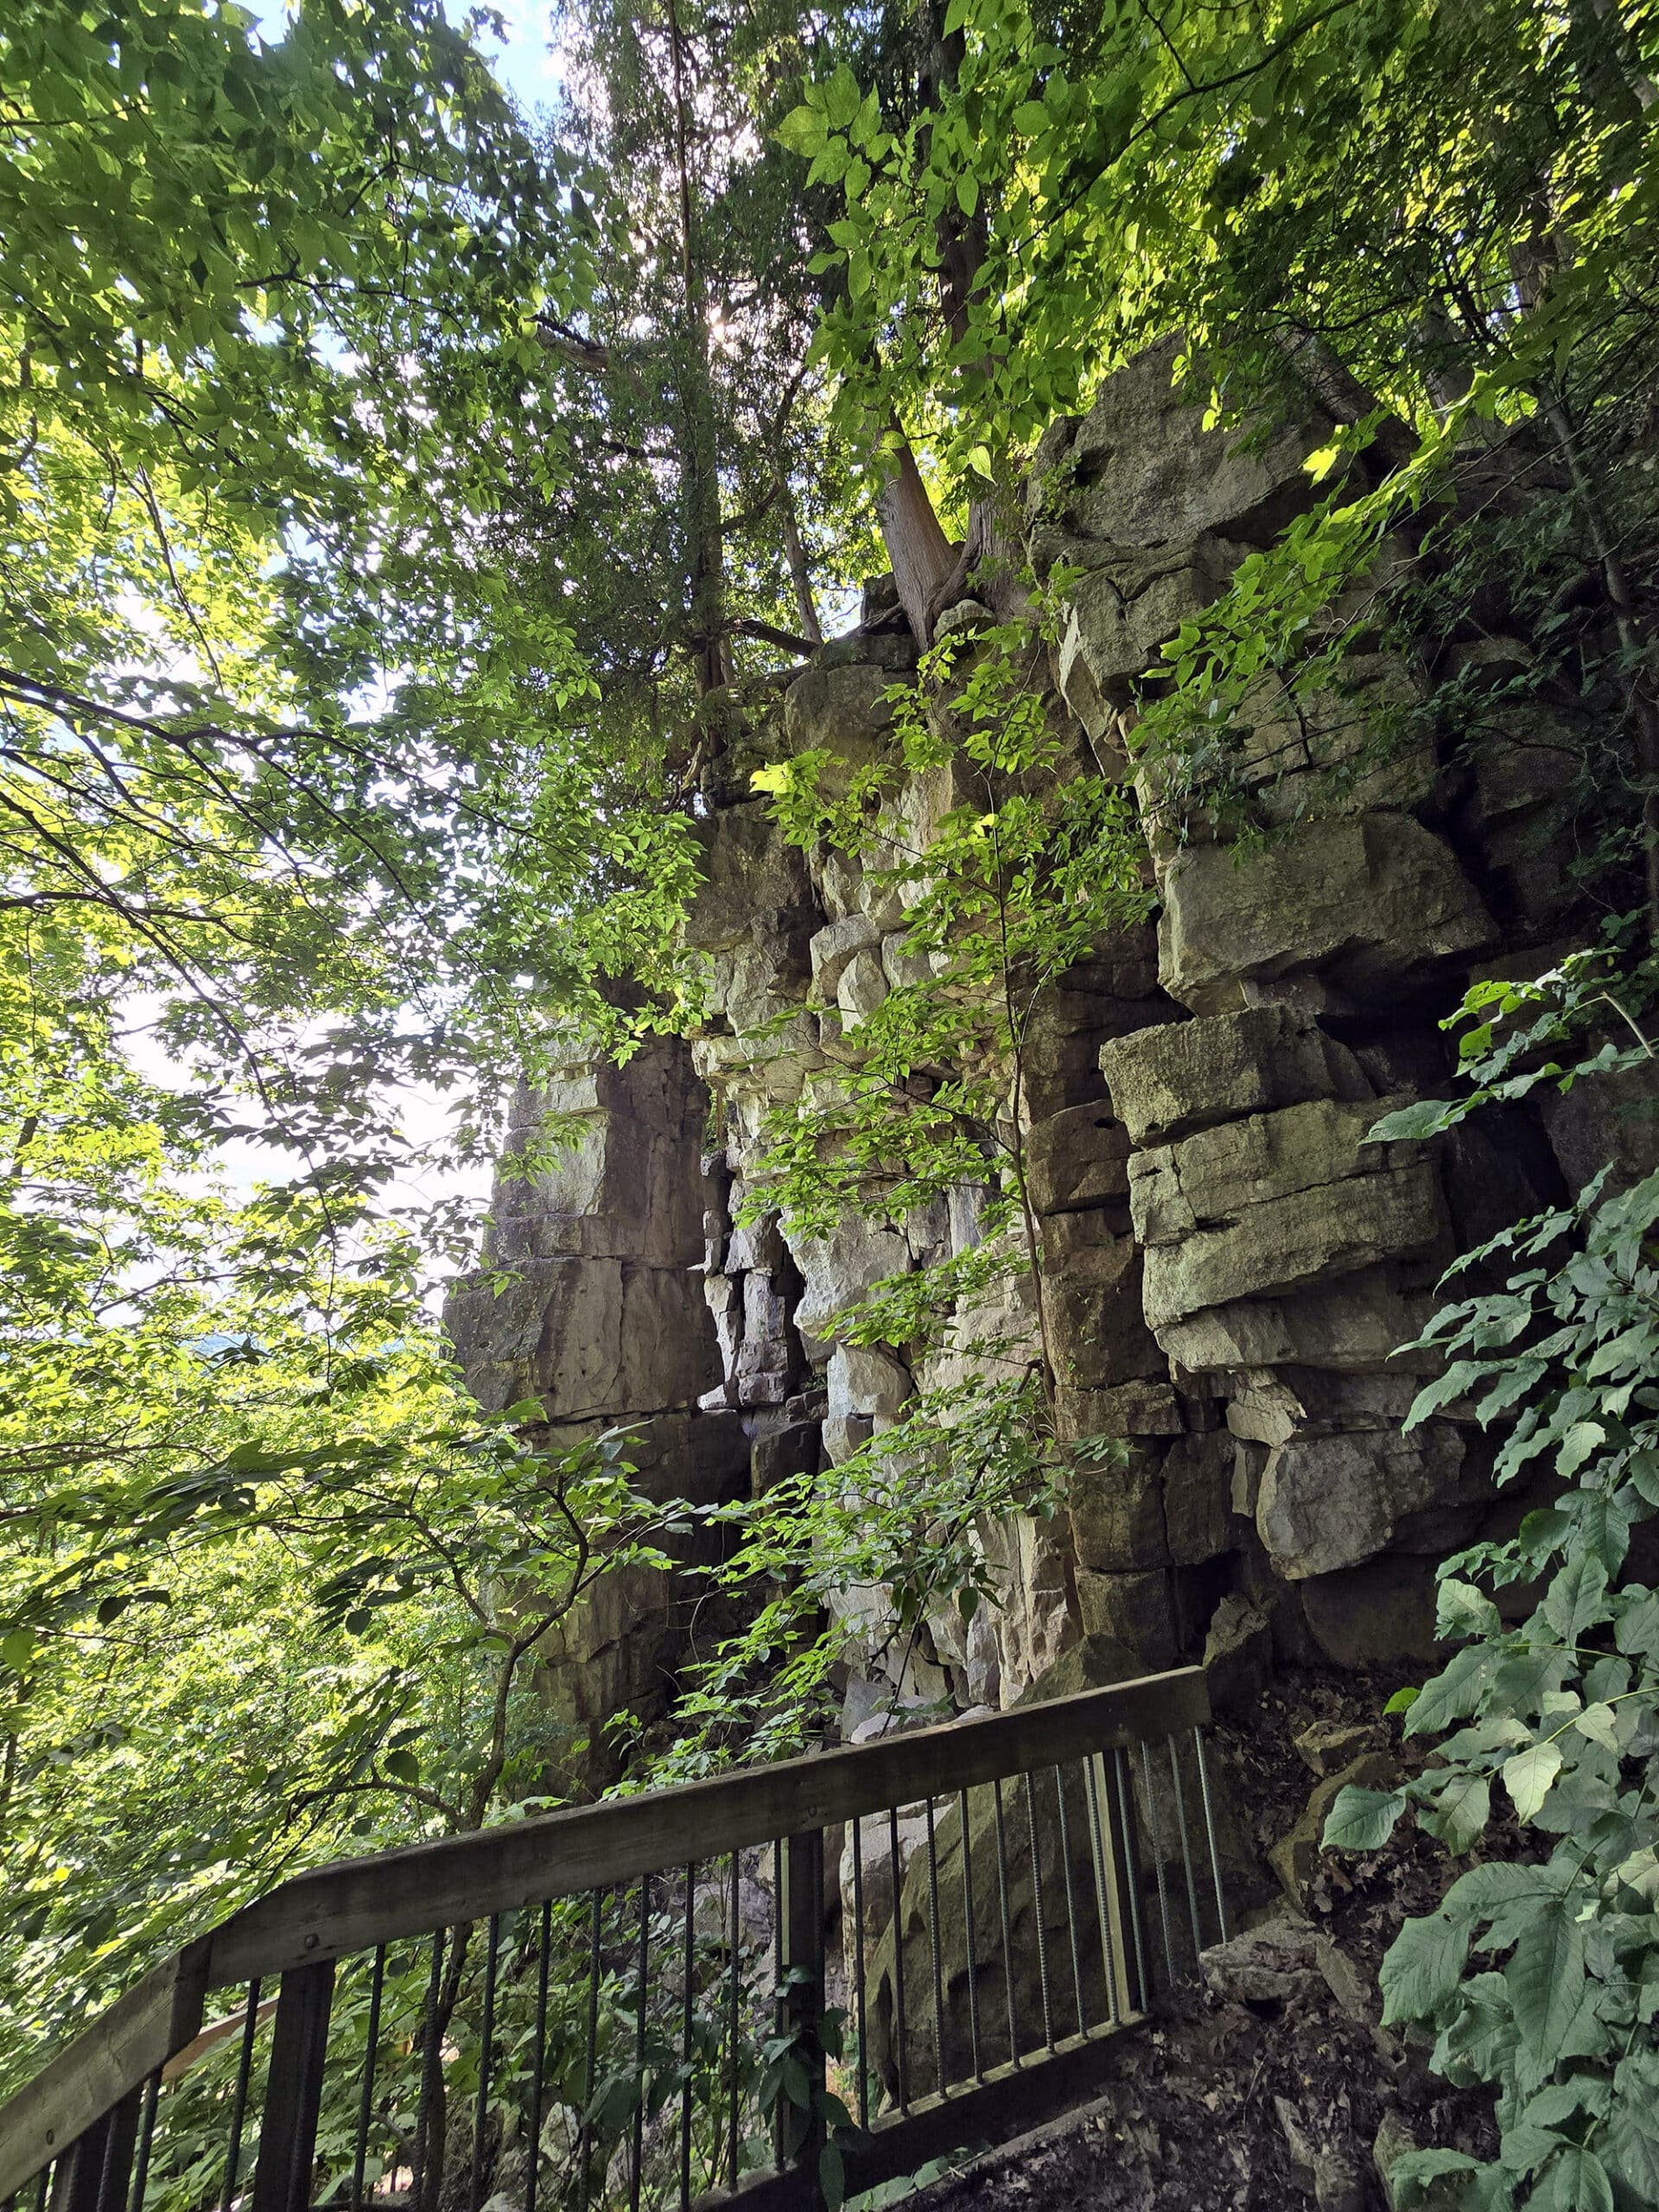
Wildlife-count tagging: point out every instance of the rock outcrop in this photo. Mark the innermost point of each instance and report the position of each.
(1230, 1265)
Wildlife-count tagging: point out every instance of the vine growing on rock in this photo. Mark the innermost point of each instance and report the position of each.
(1541, 1976)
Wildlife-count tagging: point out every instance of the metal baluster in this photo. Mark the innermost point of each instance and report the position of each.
(1186, 1850)
(365, 2103)
(283, 2173)
(239, 2096)
(1210, 1832)
(486, 2058)
(1103, 1903)
(1158, 1858)
(539, 2058)
(1037, 1903)
(1008, 1932)
(933, 1938)
(687, 2024)
(898, 1960)
(779, 2015)
(731, 2008)
(584, 2135)
(1071, 1900)
(146, 2142)
(1132, 1851)
(636, 2153)
(858, 1973)
(43, 2188)
(431, 2075)
(967, 1922)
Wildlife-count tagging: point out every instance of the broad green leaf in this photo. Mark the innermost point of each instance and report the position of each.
(1422, 1968)
(1545, 1975)
(1362, 1819)
(1577, 2182)
(1528, 1777)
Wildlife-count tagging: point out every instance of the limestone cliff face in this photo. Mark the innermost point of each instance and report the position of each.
(1230, 1265)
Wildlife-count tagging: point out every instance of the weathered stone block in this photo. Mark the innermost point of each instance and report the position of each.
(1221, 1175)
(1076, 1159)
(1182, 1076)
(1140, 1409)
(1354, 1324)
(1375, 903)
(748, 867)
(1270, 1406)
(1306, 1236)
(1380, 1614)
(863, 1381)
(1136, 1609)
(862, 987)
(841, 710)
(833, 946)
(1097, 1329)
(1197, 1481)
(1329, 1502)
(1116, 1514)
(840, 1268)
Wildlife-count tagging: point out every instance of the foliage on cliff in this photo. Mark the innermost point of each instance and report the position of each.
(1540, 1977)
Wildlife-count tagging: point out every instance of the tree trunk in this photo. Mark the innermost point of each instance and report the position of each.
(794, 553)
(922, 556)
(707, 636)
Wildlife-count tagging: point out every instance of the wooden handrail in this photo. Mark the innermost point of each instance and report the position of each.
(358, 1903)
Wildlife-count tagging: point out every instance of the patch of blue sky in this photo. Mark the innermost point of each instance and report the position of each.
(525, 58)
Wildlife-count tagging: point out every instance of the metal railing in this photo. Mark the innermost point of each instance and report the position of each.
(644, 2002)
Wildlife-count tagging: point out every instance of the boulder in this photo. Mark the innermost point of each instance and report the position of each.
(1183, 1076)
(1374, 905)
(1329, 1502)
(1237, 1655)
(1267, 1968)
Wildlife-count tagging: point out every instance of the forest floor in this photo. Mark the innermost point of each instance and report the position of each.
(1267, 2087)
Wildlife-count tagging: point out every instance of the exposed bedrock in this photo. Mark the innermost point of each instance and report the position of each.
(1230, 1264)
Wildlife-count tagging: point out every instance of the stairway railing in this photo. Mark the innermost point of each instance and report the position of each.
(636, 2003)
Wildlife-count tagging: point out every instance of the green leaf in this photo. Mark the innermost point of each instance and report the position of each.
(1362, 1819)
(1423, 1967)
(1425, 1117)
(1579, 1443)
(832, 2177)
(1461, 1811)
(1528, 1777)
(1576, 2181)
(1545, 1976)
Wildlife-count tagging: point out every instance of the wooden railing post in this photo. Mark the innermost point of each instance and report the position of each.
(287, 2131)
(799, 2135)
